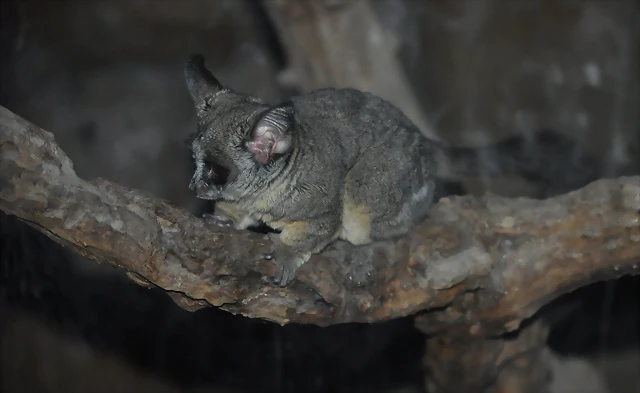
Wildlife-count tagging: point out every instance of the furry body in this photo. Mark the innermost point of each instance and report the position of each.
(334, 163)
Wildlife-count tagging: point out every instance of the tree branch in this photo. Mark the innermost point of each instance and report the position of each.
(479, 265)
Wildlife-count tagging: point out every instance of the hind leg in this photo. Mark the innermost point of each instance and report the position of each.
(408, 212)
(386, 206)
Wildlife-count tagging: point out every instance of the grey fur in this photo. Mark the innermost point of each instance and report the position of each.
(357, 169)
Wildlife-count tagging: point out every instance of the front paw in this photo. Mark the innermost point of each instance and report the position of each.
(287, 264)
(217, 220)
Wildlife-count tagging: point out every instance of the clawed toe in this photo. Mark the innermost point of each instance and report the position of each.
(283, 274)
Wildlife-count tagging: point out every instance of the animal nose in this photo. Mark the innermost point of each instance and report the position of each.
(201, 189)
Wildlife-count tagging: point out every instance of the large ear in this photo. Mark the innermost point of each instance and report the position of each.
(272, 134)
(200, 82)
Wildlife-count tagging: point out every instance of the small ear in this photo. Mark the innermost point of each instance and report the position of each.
(272, 134)
(200, 82)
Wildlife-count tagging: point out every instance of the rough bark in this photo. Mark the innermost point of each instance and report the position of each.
(478, 265)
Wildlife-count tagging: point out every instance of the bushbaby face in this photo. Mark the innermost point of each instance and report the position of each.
(219, 146)
(238, 136)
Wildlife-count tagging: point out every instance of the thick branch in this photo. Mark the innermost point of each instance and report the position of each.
(481, 265)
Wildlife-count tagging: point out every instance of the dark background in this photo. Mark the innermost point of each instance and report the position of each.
(106, 78)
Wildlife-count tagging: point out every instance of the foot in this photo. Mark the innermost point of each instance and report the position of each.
(218, 220)
(287, 263)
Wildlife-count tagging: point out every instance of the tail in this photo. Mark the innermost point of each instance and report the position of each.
(550, 160)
